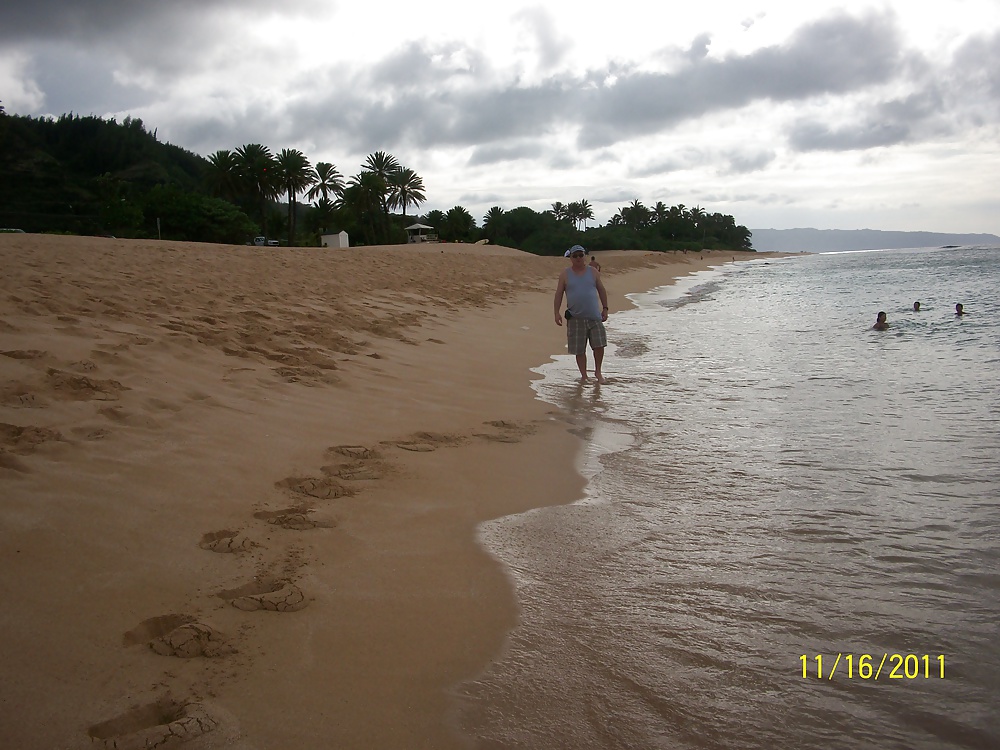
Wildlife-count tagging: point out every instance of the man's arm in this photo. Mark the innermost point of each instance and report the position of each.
(557, 303)
(603, 294)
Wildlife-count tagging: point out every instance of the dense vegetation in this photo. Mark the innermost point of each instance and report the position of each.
(87, 175)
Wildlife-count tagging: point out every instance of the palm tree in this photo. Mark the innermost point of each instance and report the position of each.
(559, 210)
(585, 212)
(572, 212)
(406, 188)
(434, 218)
(324, 211)
(660, 212)
(222, 178)
(363, 199)
(458, 224)
(296, 176)
(327, 181)
(491, 221)
(259, 176)
(383, 165)
(636, 215)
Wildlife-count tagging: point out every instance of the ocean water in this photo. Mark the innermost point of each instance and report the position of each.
(770, 481)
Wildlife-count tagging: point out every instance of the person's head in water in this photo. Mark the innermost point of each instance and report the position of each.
(916, 306)
(880, 322)
(959, 310)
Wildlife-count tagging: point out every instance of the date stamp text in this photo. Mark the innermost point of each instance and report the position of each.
(883, 666)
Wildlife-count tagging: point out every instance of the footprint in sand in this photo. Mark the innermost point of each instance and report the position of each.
(416, 447)
(163, 724)
(358, 452)
(354, 471)
(424, 442)
(225, 541)
(506, 432)
(24, 440)
(322, 488)
(20, 398)
(179, 635)
(24, 353)
(270, 596)
(365, 463)
(82, 388)
(296, 518)
(90, 433)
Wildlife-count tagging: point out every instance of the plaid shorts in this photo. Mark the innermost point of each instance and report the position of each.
(580, 330)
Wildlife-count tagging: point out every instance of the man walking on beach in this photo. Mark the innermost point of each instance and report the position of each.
(585, 313)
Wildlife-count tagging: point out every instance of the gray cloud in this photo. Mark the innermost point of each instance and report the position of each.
(836, 55)
(89, 20)
(673, 163)
(484, 198)
(699, 47)
(551, 48)
(975, 71)
(411, 100)
(966, 87)
(502, 153)
(420, 66)
(426, 111)
(816, 136)
(614, 194)
(745, 160)
(562, 160)
(162, 41)
(83, 84)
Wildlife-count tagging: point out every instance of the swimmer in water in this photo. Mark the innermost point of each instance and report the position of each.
(959, 310)
(880, 322)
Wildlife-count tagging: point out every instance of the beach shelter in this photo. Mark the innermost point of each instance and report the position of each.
(420, 233)
(335, 240)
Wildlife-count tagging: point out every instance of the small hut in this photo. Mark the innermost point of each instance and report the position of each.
(338, 240)
(421, 233)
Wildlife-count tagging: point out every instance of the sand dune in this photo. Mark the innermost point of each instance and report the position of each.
(240, 486)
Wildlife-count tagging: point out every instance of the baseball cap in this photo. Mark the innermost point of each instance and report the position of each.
(576, 249)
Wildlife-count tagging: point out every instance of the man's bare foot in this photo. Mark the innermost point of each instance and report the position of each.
(600, 378)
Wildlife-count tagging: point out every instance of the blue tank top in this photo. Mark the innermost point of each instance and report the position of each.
(581, 295)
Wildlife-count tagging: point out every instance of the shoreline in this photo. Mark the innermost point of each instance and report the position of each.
(343, 420)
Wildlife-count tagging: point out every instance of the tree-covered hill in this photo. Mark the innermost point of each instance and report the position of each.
(87, 175)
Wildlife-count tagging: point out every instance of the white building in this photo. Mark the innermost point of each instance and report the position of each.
(335, 240)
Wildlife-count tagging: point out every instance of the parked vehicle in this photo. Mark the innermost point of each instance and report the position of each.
(264, 242)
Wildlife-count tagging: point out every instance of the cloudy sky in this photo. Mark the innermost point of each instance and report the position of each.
(841, 115)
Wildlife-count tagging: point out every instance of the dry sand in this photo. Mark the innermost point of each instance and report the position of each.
(239, 487)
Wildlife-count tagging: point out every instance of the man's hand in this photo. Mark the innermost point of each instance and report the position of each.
(558, 319)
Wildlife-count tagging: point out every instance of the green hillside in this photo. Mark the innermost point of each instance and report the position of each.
(86, 175)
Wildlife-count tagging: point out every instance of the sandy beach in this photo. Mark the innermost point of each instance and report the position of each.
(240, 486)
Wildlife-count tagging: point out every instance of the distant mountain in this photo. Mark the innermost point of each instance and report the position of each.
(831, 240)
